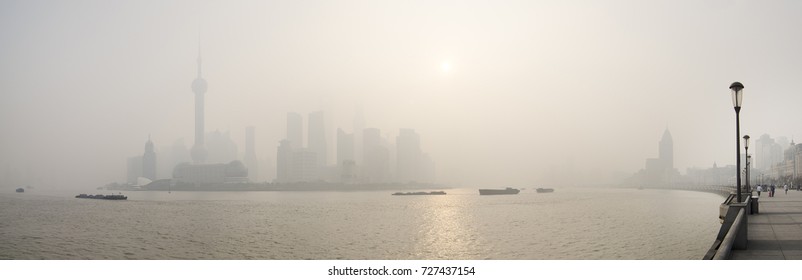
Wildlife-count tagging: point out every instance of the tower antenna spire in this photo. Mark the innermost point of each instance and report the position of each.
(199, 53)
(199, 87)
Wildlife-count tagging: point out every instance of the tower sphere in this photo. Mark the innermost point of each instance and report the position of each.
(199, 86)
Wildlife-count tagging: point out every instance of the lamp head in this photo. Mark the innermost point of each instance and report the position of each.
(737, 89)
(746, 141)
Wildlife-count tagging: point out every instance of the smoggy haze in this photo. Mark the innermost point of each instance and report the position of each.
(536, 92)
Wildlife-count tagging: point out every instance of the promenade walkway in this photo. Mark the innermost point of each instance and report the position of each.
(775, 233)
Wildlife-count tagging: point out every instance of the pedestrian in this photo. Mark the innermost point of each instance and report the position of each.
(786, 189)
(771, 191)
(759, 189)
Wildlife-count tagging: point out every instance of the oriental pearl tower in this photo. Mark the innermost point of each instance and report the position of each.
(198, 151)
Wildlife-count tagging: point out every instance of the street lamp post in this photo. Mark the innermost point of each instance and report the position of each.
(793, 180)
(737, 97)
(748, 174)
(746, 154)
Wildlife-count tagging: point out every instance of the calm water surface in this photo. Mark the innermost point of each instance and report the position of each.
(571, 223)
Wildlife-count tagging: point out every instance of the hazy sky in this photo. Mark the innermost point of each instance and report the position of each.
(534, 88)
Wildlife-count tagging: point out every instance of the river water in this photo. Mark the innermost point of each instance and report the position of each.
(571, 223)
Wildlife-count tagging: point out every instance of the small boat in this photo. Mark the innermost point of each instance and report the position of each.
(498, 191)
(421, 193)
(100, 196)
(20, 190)
(544, 190)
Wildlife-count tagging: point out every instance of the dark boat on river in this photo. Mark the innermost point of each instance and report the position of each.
(498, 191)
(421, 193)
(106, 197)
(544, 190)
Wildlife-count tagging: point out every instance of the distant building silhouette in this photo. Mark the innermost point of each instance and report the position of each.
(408, 156)
(304, 166)
(204, 174)
(345, 146)
(149, 161)
(284, 162)
(660, 171)
(169, 156)
(295, 130)
(222, 152)
(788, 170)
(317, 141)
(715, 176)
(767, 153)
(376, 161)
(250, 154)
(294, 163)
(359, 126)
(134, 169)
(380, 161)
(220, 147)
(666, 154)
(345, 156)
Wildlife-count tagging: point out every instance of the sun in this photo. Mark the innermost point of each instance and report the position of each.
(445, 66)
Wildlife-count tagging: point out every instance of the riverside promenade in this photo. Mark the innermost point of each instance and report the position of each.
(776, 232)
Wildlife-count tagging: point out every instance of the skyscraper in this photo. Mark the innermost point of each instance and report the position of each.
(345, 156)
(149, 161)
(284, 162)
(134, 169)
(660, 171)
(317, 138)
(199, 152)
(376, 162)
(345, 146)
(408, 156)
(666, 152)
(359, 126)
(304, 166)
(295, 130)
(250, 154)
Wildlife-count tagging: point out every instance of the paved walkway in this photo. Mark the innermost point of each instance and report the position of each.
(775, 233)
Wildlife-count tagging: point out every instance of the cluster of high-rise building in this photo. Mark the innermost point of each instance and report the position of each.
(771, 161)
(224, 168)
(777, 161)
(363, 156)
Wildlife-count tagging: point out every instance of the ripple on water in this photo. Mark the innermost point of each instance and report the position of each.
(363, 225)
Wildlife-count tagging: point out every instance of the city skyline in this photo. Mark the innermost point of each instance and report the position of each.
(500, 100)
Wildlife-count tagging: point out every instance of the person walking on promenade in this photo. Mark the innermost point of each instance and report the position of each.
(786, 189)
(759, 189)
(771, 191)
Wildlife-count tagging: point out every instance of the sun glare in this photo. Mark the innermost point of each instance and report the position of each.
(445, 66)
